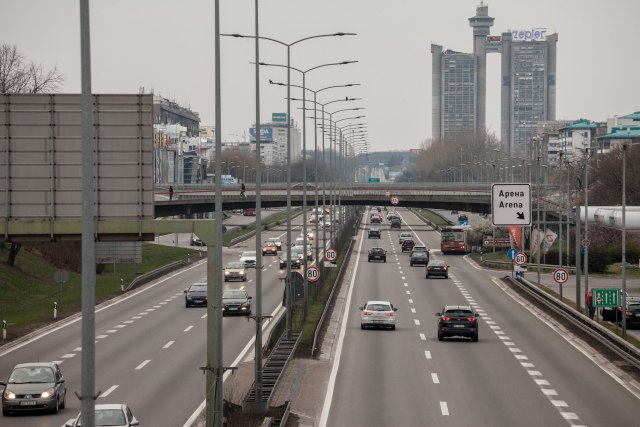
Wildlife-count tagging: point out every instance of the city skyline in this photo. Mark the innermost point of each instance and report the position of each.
(154, 45)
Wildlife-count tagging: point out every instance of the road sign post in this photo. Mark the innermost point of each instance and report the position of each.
(331, 255)
(606, 297)
(313, 273)
(511, 204)
(395, 200)
(560, 276)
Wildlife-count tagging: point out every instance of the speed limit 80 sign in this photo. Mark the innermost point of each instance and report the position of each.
(313, 273)
(560, 276)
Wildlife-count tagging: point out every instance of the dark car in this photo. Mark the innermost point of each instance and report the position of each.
(377, 254)
(236, 301)
(419, 258)
(195, 241)
(437, 267)
(633, 315)
(395, 223)
(407, 245)
(457, 320)
(296, 262)
(34, 387)
(374, 233)
(196, 294)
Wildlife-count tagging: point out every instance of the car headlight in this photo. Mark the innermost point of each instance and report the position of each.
(48, 393)
(8, 394)
(226, 273)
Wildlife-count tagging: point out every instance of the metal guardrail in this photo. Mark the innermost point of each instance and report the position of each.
(159, 272)
(509, 264)
(610, 340)
(282, 421)
(330, 298)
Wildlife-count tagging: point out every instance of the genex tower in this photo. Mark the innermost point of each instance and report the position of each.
(528, 83)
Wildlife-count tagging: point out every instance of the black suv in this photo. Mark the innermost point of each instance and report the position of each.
(236, 301)
(377, 254)
(457, 320)
(374, 233)
(396, 223)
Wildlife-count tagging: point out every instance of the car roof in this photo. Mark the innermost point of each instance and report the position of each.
(34, 364)
(199, 284)
(377, 302)
(109, 406)
(458, 307)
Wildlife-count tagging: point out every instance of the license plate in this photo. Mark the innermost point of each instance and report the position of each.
(233, 309)
(458, 326)
(28, 403)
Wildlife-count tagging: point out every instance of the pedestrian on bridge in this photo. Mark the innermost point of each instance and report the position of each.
(242, 189)
(171, 192)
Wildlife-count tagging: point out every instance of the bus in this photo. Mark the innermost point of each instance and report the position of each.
(454, 239)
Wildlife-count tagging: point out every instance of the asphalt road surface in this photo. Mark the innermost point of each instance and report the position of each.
(522, 372)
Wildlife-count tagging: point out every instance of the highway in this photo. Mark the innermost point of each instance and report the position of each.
(149, 346)
(521, 372)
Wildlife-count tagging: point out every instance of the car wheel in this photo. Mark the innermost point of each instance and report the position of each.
(440, 336)
(446, 276)
(361, 326)
(393, 327)
(384, 260)
(244, 279)
(5, 413)
(474, 337)
(64, 401)
(56, 406)
(186, 304)
(369, 260)
(426, 276)
(411, 264)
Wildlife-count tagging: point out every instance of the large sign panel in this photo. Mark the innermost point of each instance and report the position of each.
(266, 134)
(511, 204)
(532, 35)
(41, 157)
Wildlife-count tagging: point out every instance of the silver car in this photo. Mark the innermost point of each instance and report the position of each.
(235, 271)
(113, 415)
(248, 259)
(378, 314)
(34, 387)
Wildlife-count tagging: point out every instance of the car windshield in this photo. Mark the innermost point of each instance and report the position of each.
(234, 294)
(405, 235)
(234, 265)
(34, 374)
(460, 311)
(108, 417)
(198, 288)
(379, 307)
(437, 263)
(248, 254)
(419, 254)
(273, 239)
(377, 250)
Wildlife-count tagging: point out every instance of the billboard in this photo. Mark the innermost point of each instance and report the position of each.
(494, 44)
(534, 34)
(266, 134)
(279, 117)
(41, 150)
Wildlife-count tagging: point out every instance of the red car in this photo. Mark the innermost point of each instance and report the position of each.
(269, 248)
(249, 212)
(407, 245)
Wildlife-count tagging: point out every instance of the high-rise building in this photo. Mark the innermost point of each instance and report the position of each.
(528, 84)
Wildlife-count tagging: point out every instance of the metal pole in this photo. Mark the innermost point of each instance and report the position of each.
(315, 144)
(88, 370)
(561, 215)
(586, 223)
(578, 260)
(324, 188)
(288, 284)
(624, 241)
(539, 238)
(304, 193)
(258, 305)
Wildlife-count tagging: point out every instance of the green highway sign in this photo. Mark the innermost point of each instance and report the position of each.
(374, 179)
(606, 297)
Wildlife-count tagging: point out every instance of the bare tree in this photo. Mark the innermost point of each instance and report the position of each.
(18, 76)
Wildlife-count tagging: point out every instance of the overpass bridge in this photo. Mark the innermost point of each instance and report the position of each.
(200, 198)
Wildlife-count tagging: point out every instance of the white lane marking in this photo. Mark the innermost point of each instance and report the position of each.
(504, 337)
(188, 328)
(111, 331)
(68, 355)
(413, 310)
(328, 397)
(569, 415)
(136, 317)
(521, 357)
(143, 314)
(515, 350)
(528, 365)
(169, 344)
(534, 373)
(416, 321)
(408, 292)
(559, 403)
(542, 382)
(162, 303)
(108, 391)
(168, 300)
(549, 392)
(143, 364)
(434, 378)
(150, 309)
(403, 278)
(406, 284)
(77, 349)
(509, 343)
(204, 316)
(496, 327)
(101, 336)
(490, 322)
(410, 301)
(120, 326)
(444, 408)
(128, 322)
(423, 337)
(427, 354)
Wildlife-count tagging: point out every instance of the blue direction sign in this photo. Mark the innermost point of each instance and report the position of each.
(512, 253)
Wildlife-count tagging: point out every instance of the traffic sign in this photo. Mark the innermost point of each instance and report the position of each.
(606, 297)
(520, 258)
(313, 273)
(331, 254)
(560, 276)
(511, 204)
(395, 200)
(512, 253)
(585, 242)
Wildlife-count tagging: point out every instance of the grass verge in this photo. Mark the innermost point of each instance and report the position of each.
(250, 228)
(431, 217)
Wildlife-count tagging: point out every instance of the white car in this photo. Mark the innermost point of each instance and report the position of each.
(115, 415)
(378, 313)
(248, 259)
(235, 271)
(405, 236)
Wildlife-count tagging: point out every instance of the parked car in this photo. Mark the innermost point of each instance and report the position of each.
(437, 267)
(249, 212)
(236, 301)
(614, 314)
(395, 223)
(235, 271)
(248, 259)
(195, 241)
(276, 241)
(196, 294)
(378, 314)
(110, 414)
(34, 387)
(377, 254)
(418, 258)
(404, 235)
(407, 245)
(633, 315)
(457, 320)
(374, 233)
(269, 248)
(295, 260)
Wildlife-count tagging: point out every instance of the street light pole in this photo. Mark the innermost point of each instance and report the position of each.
(624, 241)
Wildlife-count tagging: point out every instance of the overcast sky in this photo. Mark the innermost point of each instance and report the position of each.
(167, 46)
